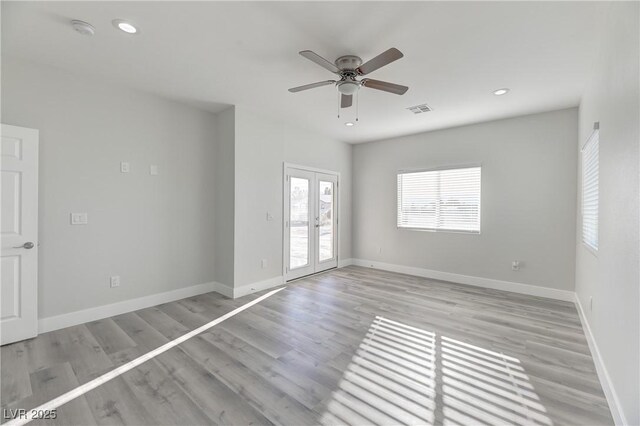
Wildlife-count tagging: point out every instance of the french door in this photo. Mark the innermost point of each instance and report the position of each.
(310, 222)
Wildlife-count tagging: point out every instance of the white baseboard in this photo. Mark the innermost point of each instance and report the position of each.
(235, 292)
(253, 287)
(99, 312)
(345, 262)
(532, 290)
(225, 290)
(601, 369)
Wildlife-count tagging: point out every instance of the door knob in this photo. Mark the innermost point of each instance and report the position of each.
(28, 245)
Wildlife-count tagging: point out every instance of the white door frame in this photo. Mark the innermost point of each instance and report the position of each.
(20, 157)
(285, 212)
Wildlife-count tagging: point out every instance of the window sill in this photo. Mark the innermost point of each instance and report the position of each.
(448, 231)
(590, 249)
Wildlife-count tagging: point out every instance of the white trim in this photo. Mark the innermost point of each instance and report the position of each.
(345, 262)
(400, 198)
(253, 287)
(224, 290)
(442, 167)
(105, 311)
(99, 312)
(590, 249)
(532, 290)
(310, 169)
(605, 380)
(285, 213)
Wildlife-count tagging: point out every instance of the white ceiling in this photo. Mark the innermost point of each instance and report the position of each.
(245, 53)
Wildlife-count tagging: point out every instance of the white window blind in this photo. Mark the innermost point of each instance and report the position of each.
(441, 200)
(590, 191)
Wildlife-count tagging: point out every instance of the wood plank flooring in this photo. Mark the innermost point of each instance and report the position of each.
(351, 346)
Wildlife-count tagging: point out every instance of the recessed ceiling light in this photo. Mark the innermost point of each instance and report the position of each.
(83, 28)
(125, 26)
(348, 124)
(501, 92)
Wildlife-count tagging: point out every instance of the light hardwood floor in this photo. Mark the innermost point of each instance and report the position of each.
(351, 346)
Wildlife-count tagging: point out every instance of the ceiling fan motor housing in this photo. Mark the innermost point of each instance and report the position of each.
(348, 63)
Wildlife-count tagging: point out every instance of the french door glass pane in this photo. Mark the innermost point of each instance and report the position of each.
(325, 199)
(299, 223)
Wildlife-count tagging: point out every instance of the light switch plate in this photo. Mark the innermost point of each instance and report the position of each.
(79, 218)
(153, 169)
(114, 281)
(269, 217)
(124, 167)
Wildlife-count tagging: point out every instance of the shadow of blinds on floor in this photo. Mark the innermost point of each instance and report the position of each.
(406, 375)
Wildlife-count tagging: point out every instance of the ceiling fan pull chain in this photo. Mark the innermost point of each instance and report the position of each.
(339, 99)
(357, 105)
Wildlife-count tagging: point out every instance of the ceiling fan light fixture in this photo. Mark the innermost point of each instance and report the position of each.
(501, 92)
(349, 124)
(348, 87)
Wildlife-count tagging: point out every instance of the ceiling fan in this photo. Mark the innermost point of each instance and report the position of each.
(350, 67)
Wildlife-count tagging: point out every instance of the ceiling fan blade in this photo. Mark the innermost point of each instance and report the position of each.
(311, 86)
(385, 86)
(312, 56)
(346, 101)
(380, 61)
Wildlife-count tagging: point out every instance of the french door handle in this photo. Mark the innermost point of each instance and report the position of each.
(28, 245)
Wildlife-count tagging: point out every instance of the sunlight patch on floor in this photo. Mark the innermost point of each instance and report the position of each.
(402, 374)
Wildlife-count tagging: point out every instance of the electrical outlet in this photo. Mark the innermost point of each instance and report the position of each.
(153, 169)
(124, 167)
(379, 250)
(115, 281)
(263, 263)
(269, 217)
(515, 265)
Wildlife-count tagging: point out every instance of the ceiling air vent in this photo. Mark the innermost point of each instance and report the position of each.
(419, 109)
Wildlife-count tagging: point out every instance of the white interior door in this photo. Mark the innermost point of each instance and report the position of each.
(310, 222)
(19, 231)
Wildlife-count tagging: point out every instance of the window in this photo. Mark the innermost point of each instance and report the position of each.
(590, 191)
(440, 200)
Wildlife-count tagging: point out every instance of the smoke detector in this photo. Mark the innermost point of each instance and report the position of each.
(83, 28)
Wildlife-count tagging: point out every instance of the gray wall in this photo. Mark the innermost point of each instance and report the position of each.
(224, 164)
(528, 200)
(612, 276)
(156, 232)
(262, 146)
